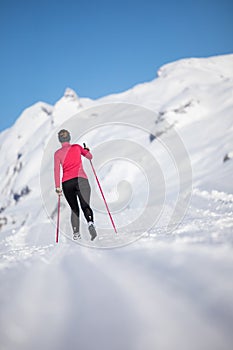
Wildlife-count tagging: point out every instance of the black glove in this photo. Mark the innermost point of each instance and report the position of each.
(58, 191)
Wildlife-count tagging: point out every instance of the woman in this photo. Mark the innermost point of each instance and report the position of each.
(74, 181)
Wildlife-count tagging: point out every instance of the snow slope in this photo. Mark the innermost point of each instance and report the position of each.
(163, 152)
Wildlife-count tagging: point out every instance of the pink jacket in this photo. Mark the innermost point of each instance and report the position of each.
(69, 157)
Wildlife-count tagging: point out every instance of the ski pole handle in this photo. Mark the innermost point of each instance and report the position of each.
(85, 147)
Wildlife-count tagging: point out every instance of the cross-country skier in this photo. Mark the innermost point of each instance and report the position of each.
(74, 181)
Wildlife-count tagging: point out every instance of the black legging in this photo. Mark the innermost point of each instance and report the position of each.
(80, 187)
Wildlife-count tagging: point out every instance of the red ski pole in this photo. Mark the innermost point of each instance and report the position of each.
(105, 202)
(58, 217)
(103, 197)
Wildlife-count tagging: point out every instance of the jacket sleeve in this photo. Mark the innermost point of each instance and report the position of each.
(56, 170)
(86, 153)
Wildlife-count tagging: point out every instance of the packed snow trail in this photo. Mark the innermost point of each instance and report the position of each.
(150, 295)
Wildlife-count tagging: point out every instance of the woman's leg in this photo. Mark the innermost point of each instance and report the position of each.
(70, 192)
(84, 193)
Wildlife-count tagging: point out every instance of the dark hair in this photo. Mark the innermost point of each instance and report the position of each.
(64, 135)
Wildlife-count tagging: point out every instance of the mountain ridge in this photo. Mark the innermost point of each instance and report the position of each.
(175, 97)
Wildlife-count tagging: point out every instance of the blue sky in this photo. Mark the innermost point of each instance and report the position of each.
(100, 47)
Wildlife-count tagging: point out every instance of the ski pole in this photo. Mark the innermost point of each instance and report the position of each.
(105, 202)
(58, 217)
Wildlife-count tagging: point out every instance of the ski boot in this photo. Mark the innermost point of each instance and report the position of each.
(76, 236)
(92, 230)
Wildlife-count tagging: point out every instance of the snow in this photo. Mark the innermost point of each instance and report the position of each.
(165, 280)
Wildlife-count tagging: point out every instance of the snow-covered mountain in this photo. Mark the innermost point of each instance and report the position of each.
(164, 153)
